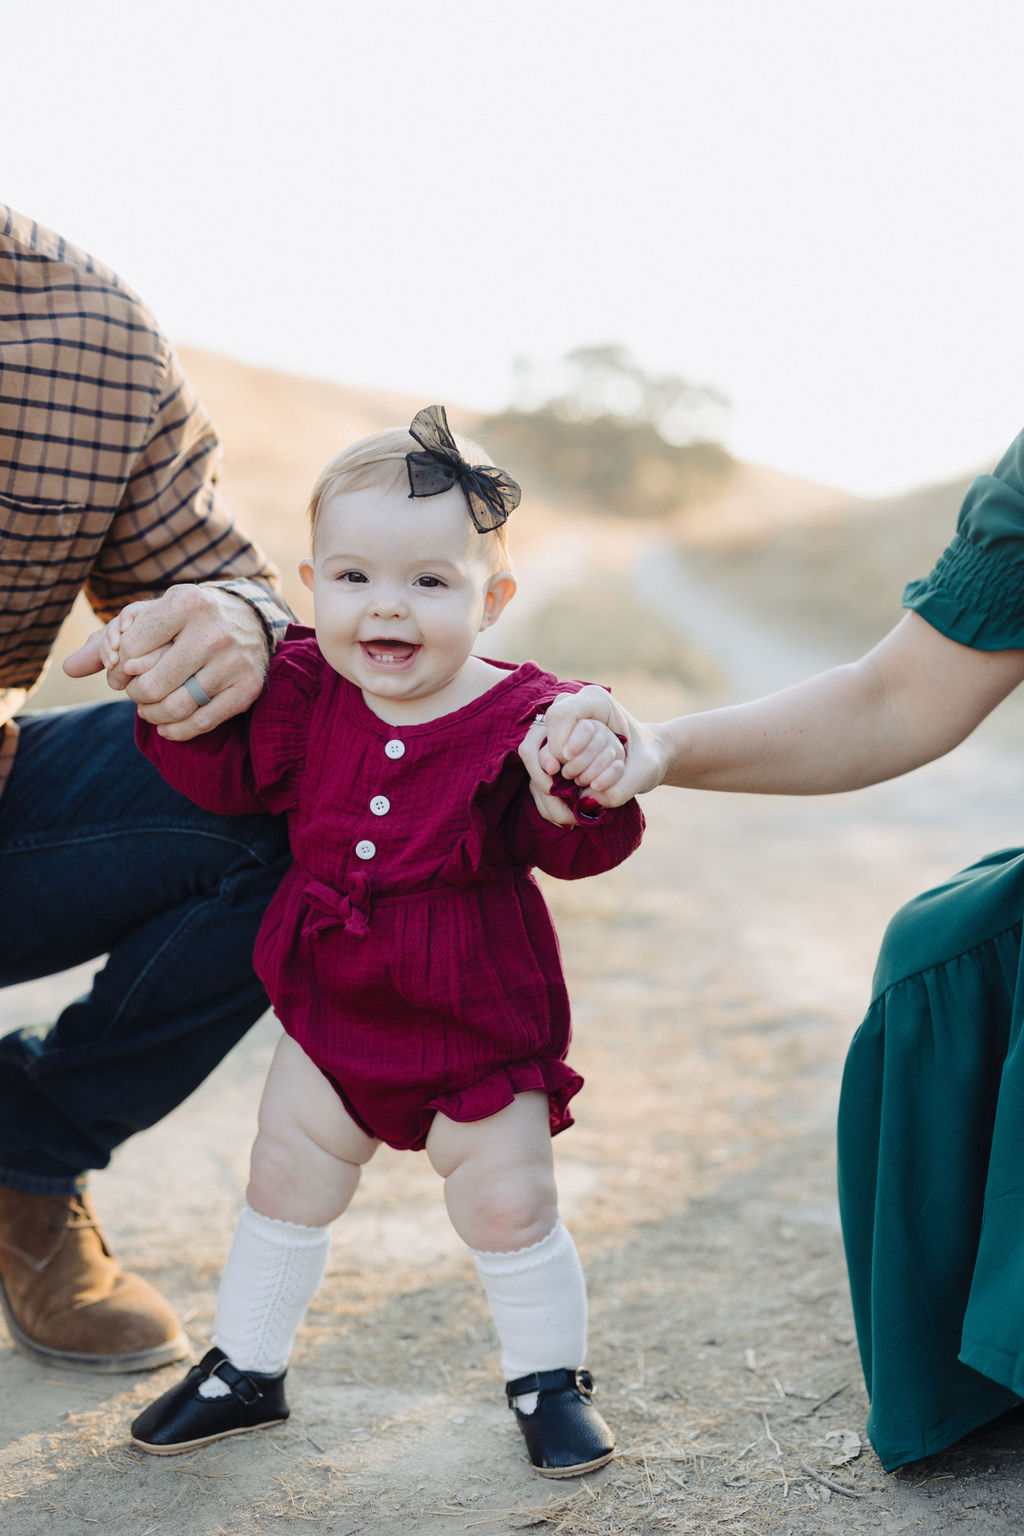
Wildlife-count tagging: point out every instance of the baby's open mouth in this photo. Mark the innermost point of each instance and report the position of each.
(388, 653)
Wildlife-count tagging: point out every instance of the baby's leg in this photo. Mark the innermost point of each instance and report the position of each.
(499, 1174)
(500, 1191)
(305, 1166)
(309, 1153)
(306, 1163)
(501, 1196)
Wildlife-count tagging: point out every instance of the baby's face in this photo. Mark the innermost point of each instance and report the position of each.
(401, 588)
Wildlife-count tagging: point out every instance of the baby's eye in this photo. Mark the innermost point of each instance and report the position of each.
(352, 576)
(429, 581)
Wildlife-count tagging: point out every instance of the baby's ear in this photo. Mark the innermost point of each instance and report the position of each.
(306, 573)
(501, 589)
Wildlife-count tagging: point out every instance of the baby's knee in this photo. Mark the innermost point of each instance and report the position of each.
(511, 1213)
(275, 1168)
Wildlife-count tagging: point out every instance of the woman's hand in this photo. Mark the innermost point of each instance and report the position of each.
(579, 736)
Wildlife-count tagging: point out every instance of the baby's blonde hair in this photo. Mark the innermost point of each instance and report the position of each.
(379, 460)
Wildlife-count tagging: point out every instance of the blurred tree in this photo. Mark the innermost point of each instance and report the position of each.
(621, 438)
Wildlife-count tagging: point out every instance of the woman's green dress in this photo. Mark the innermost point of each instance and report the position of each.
(931, 1119)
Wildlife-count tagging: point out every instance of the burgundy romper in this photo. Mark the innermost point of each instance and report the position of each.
(408, 950)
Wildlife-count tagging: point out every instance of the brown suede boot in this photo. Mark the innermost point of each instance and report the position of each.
(66, 1298)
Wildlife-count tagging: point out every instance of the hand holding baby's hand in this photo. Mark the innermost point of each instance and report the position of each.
(594, 753)
(102, 651)
(574, 737)
(155, 646)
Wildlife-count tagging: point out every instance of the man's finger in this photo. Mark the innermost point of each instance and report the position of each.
(166, 668)
(125, 671)
(174, 704)
(138, 666)
(86, 660)
(180, 718)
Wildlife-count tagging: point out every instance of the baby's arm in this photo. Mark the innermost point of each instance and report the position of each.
(561, 828)
(215, 769)
(592, 842)
(253, 762)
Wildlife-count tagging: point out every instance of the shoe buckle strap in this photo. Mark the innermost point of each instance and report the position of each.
(241, 1386)
(551, 1381)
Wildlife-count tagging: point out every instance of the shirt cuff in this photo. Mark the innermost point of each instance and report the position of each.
(270, 607)
(587, 811)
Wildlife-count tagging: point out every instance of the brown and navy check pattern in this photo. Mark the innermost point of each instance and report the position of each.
(108, 463)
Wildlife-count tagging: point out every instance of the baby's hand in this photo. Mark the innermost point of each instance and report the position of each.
(102, 650)
(596, 751)
(590, 758)
(110, 638)
(579, 737)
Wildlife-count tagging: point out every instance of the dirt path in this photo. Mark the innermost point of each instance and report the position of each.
(716, 979)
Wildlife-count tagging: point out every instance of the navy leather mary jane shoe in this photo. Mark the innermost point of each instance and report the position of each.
(181, 1419)
(565, 1435)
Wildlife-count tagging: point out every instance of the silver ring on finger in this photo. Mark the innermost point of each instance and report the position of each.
(197, 690)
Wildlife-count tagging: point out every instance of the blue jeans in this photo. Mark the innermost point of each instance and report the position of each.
(98, 856)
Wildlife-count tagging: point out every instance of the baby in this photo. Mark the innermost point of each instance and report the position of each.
(408, 953)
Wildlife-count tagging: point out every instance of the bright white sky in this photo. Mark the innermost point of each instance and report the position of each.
(816, 205)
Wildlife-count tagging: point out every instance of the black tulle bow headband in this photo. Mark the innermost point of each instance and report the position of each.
(490, 494)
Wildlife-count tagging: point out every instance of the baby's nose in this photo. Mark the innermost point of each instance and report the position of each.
(388, 602)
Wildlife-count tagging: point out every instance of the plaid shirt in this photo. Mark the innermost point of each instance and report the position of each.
(108, 463)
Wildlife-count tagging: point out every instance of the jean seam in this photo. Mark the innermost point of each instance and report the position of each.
(37, 841)
(34, 1184)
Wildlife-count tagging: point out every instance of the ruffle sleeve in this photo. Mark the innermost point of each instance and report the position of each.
(252, 763)
(975, 594)
(505, 825)
(598, 841)
(279, 735)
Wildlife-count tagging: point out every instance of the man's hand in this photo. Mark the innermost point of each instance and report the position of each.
(567, 740)
(204, 633)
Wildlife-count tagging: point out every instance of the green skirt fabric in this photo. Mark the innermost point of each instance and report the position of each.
(931, 1165)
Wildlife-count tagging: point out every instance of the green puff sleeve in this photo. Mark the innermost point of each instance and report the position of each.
(975, 594)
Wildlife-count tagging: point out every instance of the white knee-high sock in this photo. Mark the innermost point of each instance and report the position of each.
(272, 1275)
(538, 1300)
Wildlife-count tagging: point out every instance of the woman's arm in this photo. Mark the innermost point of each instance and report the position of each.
(911, 699)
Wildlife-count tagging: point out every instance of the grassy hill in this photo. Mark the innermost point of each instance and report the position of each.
(806, 558)
(834, 579)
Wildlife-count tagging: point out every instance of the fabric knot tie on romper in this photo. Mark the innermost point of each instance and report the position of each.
(349, 909)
